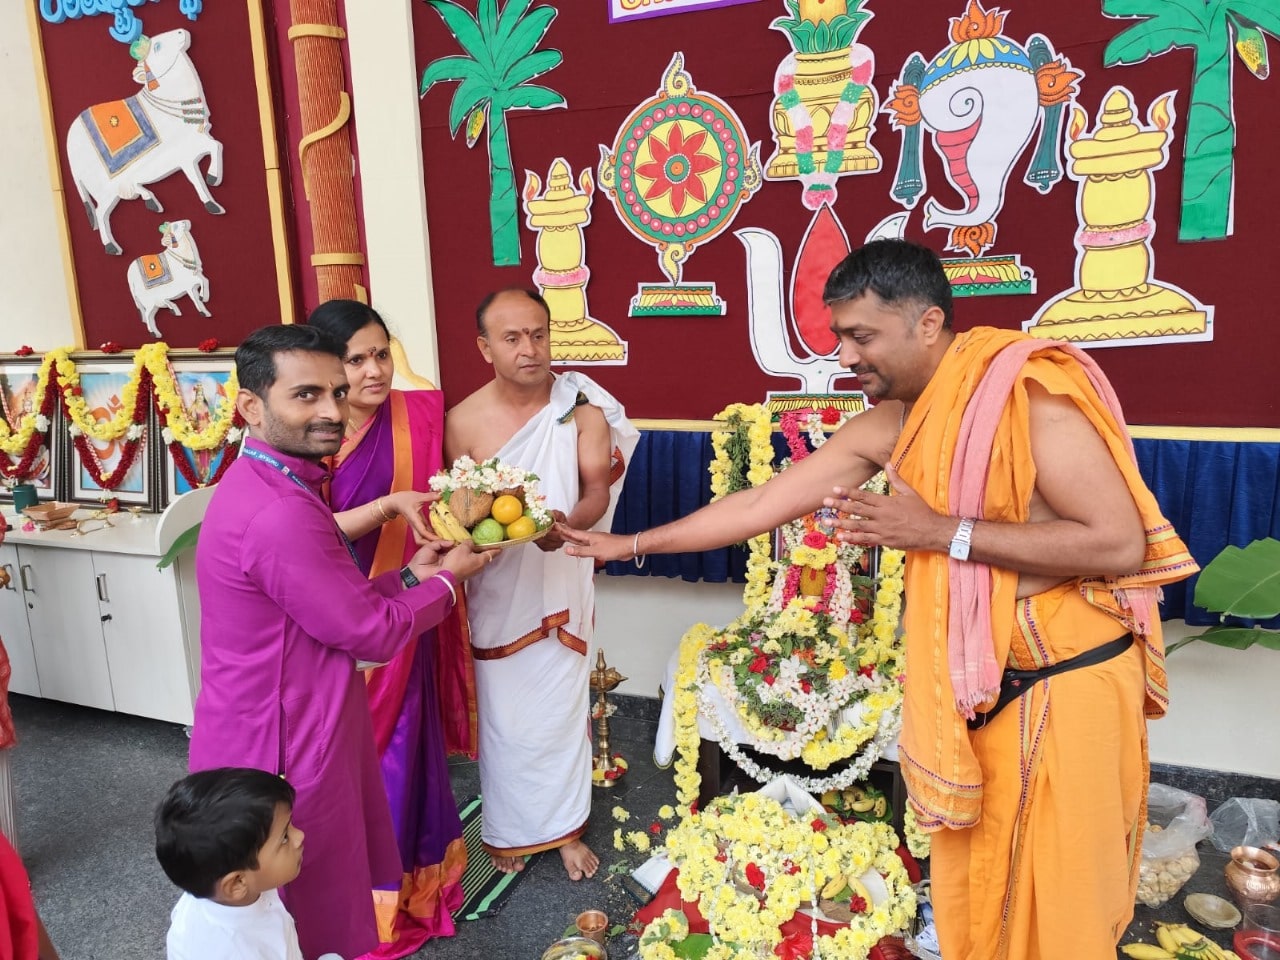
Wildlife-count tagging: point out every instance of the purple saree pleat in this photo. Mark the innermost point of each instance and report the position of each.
(413, 760)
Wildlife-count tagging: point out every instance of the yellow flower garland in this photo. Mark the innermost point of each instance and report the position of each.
(178, 420)
(759, 423)
(153, 357)
(14, 441)
(712, 850)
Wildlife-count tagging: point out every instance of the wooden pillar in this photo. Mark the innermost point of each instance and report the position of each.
(325, 148)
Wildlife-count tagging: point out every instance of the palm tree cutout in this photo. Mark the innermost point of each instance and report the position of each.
(1212, 29)
(501, 58)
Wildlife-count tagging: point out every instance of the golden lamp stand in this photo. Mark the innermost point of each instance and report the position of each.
(605, 771)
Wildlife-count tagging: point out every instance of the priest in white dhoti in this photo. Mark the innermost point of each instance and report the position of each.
(532, 610)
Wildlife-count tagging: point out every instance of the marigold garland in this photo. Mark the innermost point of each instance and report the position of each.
(750, 864)
(151, 377)
(777, 615)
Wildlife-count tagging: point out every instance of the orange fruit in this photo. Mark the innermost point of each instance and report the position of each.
(506, 509)
(521, 527)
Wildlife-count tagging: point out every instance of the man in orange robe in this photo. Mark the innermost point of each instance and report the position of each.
(1031, 540)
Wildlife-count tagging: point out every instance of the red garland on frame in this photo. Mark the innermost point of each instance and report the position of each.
(129, 448)
(229, 454)
(21, 470)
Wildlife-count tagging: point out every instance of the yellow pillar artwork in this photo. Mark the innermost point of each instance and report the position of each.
(1115, 299)
(558, 217)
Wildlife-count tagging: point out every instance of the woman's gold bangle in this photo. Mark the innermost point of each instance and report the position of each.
(382, 514)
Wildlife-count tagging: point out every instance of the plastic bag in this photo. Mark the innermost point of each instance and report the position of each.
(1177, 821)
(1245, 821)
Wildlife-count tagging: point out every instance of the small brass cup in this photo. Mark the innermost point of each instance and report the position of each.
(594, 925)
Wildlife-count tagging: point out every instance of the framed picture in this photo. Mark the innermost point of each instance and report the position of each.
(18, 398)
(202, 386)
(103, 386)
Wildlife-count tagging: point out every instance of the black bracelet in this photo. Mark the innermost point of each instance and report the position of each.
(407, 578)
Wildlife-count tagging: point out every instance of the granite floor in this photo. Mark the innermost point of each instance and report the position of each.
(87, 782)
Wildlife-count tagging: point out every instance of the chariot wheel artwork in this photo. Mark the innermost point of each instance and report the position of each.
(677, 173)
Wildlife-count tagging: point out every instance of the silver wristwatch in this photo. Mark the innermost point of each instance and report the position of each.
(960, 542)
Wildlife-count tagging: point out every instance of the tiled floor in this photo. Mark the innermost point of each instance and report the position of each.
(87, 782)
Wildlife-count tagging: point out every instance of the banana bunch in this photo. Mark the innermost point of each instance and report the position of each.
(845, 888)
(445, 524)
(1177, 942)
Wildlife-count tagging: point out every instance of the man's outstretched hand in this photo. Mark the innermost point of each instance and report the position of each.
(902, 521)
(599, 546)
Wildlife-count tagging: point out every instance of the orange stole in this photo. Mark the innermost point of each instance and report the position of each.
(991, 787)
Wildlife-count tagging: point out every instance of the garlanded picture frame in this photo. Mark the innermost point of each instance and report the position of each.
(103, 385)
(18, 382)
(201, 381)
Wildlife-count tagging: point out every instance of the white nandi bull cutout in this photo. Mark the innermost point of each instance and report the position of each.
(116, 148)
(156, 280)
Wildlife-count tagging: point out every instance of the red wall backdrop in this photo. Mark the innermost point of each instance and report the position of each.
(692, 367)
(84, 66)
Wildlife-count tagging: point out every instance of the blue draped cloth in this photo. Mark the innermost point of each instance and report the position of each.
(1214, 493)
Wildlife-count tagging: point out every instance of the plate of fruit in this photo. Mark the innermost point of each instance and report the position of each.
(492, 504)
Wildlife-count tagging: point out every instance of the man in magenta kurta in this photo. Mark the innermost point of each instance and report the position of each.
(285, 614)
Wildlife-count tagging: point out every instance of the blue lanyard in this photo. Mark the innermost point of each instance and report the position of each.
(254, 454)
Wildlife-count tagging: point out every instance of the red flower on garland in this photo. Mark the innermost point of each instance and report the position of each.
(857, 904)
(819, 825)
(856, 615)
(815, 539)
(24, 351)
(110, 347)
(830, 416)
(796, 946)
(113, 505)
(790, 867)
(759, 664)
(806, 686)
(77, 391)
(655, 828)
(755, 876)
(676, 168)
(209, 345)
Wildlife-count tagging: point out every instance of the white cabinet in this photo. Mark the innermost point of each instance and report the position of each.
(15, 631)
(66, 632)
(90, 619)
(142, 626)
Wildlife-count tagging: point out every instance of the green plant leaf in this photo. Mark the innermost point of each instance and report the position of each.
(617, 929)
(1237, 638)
(822, 37)
(531, 96)
(465, 30)
(693, 947)
(448, 68)
(1148, 39)
(526, 35)
(1242, 582)
(531, 66)
(184, 541)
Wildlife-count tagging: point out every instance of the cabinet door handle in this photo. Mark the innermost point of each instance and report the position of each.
(25, 572)
(8, 569)
(102, 588)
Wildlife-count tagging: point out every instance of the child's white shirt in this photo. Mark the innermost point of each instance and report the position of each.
(201, 929)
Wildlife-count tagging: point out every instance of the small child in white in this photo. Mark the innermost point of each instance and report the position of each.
(225, 837)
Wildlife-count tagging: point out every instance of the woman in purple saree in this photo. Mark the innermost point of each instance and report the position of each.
(423, 701)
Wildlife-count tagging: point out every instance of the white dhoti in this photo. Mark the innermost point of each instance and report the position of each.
(532, 616)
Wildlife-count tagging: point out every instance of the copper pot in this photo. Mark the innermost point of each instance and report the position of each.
(1252, 875)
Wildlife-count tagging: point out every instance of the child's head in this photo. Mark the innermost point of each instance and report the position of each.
(226, 834)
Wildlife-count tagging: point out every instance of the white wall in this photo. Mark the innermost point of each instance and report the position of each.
(36, 311)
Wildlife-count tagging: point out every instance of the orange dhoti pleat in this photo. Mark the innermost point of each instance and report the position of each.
(1050, 870)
